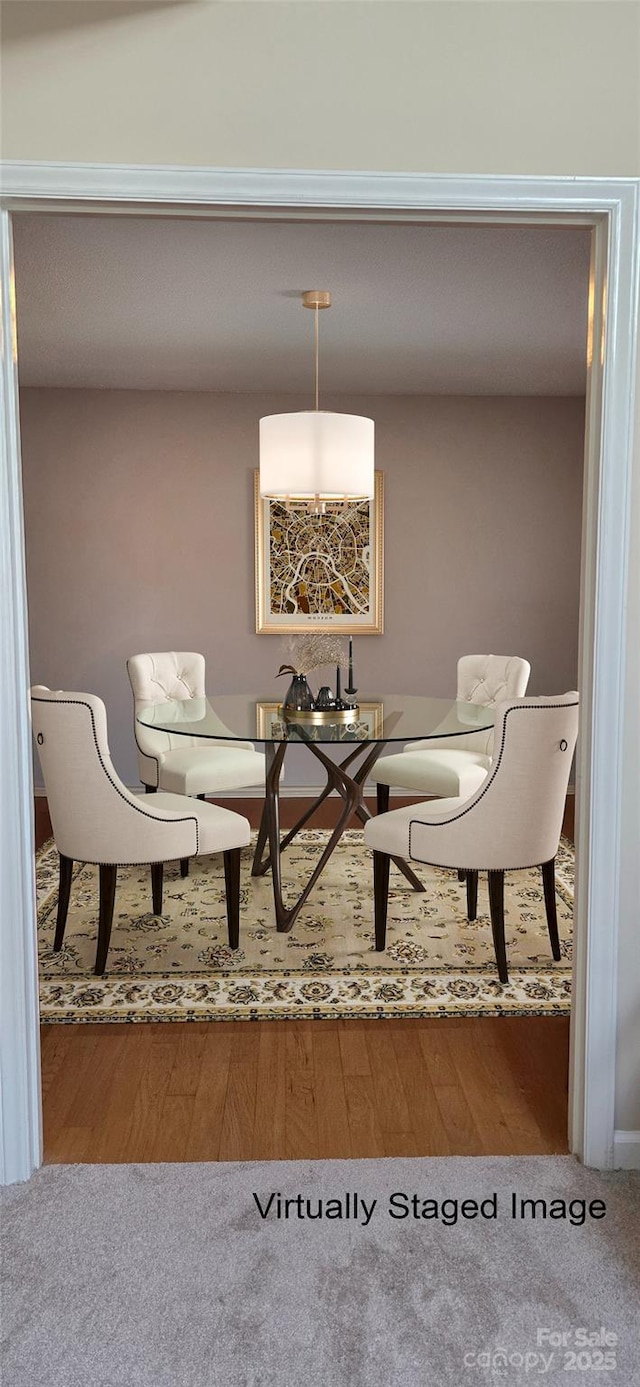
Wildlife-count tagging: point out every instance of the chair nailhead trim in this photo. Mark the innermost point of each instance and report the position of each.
(188, 818)
(416, 823)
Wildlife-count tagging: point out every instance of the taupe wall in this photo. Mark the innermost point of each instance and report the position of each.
(453, 86)
(139, 526)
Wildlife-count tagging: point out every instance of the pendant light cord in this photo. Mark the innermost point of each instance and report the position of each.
(317, 366)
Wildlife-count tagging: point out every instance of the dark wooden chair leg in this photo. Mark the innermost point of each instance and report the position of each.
(184, 866)
(151, 789)
(381, 865)
(157, 877)
(549, 884)
(232, 884)
(64, 891)
(496, 907)
(382, 798)
(461, 876)
(472, 895)
(108, 875)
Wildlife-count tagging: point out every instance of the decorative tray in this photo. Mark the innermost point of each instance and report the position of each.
(316, 716)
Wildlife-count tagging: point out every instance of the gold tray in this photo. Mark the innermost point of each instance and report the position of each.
(319, 716)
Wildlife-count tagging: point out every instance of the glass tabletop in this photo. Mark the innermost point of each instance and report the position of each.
(377, 718)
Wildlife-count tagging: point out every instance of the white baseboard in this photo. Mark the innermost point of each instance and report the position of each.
(626, 1150)
(305, 792)
(286, 792)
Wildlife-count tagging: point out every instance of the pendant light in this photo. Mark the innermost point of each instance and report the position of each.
(313, 456)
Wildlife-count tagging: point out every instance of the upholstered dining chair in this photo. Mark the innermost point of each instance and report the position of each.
(455, 766)
(182, 764)
(514, 820)
(96, 819)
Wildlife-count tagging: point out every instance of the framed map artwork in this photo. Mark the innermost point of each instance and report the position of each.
(319, 571)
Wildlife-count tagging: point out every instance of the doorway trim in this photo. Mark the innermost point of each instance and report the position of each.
(610, 206)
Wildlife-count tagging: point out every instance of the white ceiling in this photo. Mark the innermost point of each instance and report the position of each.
(162, 303)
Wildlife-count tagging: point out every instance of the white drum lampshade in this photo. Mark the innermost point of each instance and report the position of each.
(316, 454)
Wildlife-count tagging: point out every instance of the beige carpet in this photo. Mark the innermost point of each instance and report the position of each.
(179, 967)
(167, 1276)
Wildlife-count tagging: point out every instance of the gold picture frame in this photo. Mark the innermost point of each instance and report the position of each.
(369, 720)
(274, 524)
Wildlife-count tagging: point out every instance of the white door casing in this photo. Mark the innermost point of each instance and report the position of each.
(611, 207)
(20, 1107)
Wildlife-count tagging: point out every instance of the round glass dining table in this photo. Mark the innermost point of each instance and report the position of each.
(377, 720)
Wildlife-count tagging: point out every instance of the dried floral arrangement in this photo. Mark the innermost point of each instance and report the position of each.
(307, 653)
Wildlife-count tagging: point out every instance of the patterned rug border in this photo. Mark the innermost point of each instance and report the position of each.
(400, 993)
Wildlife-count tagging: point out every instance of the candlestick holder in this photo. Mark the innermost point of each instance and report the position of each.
(351, 690)
(339, 703)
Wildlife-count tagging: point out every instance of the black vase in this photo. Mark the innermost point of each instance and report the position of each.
(325, 698)
(298, 697)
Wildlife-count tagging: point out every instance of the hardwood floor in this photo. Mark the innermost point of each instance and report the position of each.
(281, 1090)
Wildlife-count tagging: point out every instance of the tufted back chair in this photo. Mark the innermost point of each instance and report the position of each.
(166, 675)
(157, 678)
(455, 765)
(489, 679)
(95, 818)
(178, 762)
(485, 679)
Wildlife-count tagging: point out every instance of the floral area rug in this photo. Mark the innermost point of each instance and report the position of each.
(178, 967)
